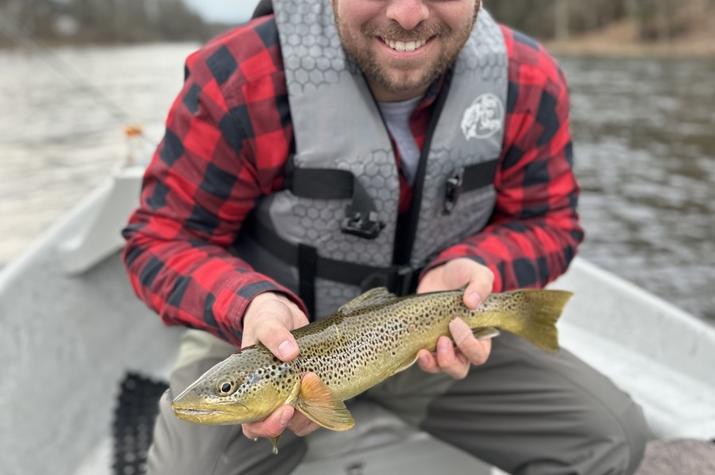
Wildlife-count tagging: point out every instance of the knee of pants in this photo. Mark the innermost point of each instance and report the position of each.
(623, 440)
(637, 435)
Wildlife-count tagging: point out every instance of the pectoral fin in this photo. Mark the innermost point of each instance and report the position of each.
(316, 401)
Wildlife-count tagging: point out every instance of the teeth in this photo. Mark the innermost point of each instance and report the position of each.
(407, 46)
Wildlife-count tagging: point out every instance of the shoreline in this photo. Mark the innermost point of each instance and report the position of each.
(565, 48)
(632, 50)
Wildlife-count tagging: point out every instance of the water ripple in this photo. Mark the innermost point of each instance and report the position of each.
(645, 153)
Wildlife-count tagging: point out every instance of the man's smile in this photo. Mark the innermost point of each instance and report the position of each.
(404, 46)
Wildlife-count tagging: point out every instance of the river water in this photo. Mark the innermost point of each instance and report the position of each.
(643, 130)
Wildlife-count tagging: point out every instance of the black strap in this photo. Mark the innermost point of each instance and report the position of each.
(307, 269)
(321, 183)
(479, 175)
(401, 280)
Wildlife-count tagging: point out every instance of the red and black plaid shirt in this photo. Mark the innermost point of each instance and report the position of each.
(229, 134)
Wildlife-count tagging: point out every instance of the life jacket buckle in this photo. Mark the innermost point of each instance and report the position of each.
(362, 224)
(452, 191)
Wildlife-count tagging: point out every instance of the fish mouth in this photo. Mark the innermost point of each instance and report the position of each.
(207, 411)
(204, 415)
(194, 412)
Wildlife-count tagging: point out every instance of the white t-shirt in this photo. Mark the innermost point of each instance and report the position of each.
(397, 120)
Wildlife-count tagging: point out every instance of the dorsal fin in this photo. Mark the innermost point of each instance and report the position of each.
(376, 296)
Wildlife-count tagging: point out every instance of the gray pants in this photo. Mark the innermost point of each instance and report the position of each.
(525, 411)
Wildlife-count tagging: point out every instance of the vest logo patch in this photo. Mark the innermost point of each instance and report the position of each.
(483, 118)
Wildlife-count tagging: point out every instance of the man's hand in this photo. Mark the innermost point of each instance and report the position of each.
(478, 280)
(269, 319)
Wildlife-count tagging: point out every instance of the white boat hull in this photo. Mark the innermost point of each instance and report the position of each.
(73, 327)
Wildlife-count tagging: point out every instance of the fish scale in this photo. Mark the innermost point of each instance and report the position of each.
(378, 341)
(368, 340)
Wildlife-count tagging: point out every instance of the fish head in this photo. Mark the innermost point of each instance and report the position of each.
(245, 387)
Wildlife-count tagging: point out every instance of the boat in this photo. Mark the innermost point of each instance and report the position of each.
(72, 329)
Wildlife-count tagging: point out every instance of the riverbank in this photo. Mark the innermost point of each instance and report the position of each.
(597, 49)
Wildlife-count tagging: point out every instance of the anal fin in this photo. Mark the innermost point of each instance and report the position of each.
(406, 365)
(316, 401)
(485, 332)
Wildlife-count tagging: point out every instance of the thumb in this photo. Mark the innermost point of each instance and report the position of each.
(269, 320)
(479, 287)
(276, 336)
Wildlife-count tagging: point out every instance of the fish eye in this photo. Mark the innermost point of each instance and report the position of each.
(226, 388)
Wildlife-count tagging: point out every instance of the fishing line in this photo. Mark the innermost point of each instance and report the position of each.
(73, 76)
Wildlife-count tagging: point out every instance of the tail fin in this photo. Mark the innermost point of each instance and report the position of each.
(530, 314)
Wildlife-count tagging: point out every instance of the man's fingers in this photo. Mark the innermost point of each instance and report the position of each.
(427, 362)
(449, 361)
(301, 425)
(284, 418)
(445, 352)
(307, 428)
(275, 336)
(476, 351)
(272, 426)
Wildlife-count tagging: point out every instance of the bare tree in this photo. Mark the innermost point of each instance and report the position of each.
(561, 18)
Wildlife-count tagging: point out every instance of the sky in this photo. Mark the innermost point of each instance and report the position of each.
(229, 11)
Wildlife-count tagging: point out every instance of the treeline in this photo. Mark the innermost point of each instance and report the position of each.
(101, 21)
(112, 21)
(653, 19)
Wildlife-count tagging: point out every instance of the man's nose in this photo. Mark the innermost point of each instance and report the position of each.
(408, 13)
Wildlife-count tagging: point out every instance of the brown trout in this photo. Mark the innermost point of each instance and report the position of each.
(366, 341)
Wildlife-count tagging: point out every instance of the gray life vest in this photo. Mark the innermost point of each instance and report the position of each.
(333, 231)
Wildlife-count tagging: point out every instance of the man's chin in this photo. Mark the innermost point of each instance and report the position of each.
(404, 85)
(402, 80)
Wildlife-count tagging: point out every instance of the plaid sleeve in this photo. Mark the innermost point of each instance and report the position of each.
(534, 231)
(211, 166)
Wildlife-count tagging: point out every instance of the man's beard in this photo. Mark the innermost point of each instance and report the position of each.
(378, 73)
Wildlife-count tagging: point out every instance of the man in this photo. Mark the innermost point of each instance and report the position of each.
(277, 195)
